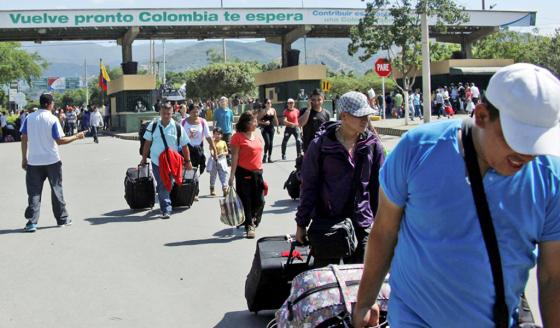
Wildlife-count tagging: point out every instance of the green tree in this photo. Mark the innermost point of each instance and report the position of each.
(73, 97)
(342, 83)
(551, 58)
(401, 36)
(16, 63)
(222, 79)
(521, 47)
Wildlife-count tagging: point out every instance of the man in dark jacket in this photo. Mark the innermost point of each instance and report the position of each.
(328, 189)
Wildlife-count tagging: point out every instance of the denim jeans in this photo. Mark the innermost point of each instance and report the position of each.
(288, 132)
(163, 194)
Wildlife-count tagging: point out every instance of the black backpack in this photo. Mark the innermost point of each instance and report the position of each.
(293, 185)
(144, 127)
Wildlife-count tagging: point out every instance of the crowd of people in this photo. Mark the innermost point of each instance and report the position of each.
(441, 255)
(72, 119)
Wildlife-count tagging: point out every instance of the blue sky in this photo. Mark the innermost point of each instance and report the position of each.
(547, 10)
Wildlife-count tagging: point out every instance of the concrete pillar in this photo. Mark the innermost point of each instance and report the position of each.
(286, 46)
(126, 43)
(466, 49)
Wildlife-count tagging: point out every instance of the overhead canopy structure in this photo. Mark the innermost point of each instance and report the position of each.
(277, 25)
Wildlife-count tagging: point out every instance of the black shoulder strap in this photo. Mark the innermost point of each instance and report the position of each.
(178, 128)
(154, 126)
(501, 316)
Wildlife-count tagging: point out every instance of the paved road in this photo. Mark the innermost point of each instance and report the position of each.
(118, 268)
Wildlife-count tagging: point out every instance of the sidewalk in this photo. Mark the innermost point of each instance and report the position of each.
(396, 126)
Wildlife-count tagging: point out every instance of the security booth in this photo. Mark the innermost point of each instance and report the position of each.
(132, 99)
(295, 82)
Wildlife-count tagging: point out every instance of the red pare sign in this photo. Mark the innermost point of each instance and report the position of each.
(382, 67)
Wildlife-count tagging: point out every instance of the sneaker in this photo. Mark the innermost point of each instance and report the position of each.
(270, 160)
(225, 190)
(196, 198)
(251, 233)
(212, 192)
(64, 223)
(30, 227)
(165, 216)
(283, 157)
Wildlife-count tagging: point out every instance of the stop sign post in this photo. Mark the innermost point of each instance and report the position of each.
(383, 68)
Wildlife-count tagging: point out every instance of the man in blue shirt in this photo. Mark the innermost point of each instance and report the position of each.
(154, 146)
(223, 119)
(440, 270)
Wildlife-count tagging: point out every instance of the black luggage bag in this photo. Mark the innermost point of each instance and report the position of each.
(139, 189)
(293, 185)
(183, 195)
(269, 281)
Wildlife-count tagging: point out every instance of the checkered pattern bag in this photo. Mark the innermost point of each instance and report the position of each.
(232, 213)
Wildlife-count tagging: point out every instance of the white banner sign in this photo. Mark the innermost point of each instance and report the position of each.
(222, 17)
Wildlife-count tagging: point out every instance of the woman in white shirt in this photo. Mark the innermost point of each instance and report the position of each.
(197, 130)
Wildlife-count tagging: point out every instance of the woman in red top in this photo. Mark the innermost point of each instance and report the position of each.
(246, 169)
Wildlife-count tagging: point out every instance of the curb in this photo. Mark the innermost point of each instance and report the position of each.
(390, 131)
(120, 136)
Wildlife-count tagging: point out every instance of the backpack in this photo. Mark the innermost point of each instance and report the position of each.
(293, 185)
(144, 127)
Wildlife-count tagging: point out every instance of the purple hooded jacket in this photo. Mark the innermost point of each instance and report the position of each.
(327, 176)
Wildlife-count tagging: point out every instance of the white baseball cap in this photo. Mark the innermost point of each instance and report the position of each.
(290, 100)
(528, 99)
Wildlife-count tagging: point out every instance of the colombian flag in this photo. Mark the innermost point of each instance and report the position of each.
(103, 77)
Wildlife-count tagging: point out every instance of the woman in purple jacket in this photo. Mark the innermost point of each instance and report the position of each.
(328, 177)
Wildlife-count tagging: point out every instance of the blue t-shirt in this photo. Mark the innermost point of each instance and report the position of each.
(224, 120)
(440, 273)
(170, 132)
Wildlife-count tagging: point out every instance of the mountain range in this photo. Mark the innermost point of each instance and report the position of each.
(67, 58)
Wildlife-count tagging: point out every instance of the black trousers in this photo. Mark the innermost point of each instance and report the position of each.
(35, 176)
(268, 136)
(288, 132)
(197, 157)
(250, 189)
(362, 235)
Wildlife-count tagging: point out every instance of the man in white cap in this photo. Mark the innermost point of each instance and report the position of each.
(441, 273)
(331, 190)
(291, 115)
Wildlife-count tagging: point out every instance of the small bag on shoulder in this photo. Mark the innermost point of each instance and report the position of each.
(332, 239)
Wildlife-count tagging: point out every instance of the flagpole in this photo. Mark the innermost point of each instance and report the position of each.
(85, 82)
(101, 73)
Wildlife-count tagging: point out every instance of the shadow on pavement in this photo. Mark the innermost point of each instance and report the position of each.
(120, 216)
(20, 230)
(283, 206)
(221, 237)
(245, 319)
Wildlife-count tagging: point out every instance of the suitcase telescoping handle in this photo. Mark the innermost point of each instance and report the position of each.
(140, 166)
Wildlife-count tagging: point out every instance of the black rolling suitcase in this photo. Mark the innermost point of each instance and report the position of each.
(277, 261)
(139, 189)
(184, 194)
